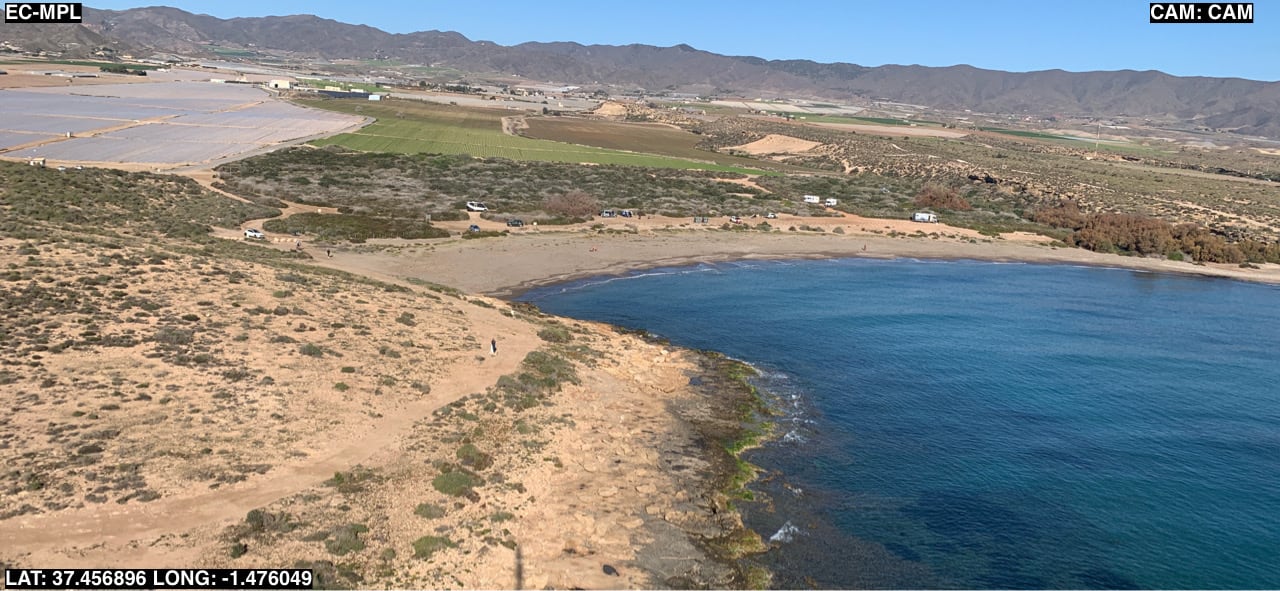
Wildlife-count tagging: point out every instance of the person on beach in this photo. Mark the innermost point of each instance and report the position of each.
(493, 346)
(329, 251)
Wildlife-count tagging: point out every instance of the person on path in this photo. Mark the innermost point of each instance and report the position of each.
(493, 346)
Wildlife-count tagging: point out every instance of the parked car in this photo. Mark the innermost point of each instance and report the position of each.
(608, 213)
(473, 228)
(515, 223)
(254, 234)
(476, 206)
(771, 215)
(735, 219)
(626, 213)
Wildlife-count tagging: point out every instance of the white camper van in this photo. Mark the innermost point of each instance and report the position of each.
(830, 202)
(812, 199)
(923, 216)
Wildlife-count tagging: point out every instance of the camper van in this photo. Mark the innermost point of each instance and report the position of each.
(830, 202)
(923, 216)
(812, 199)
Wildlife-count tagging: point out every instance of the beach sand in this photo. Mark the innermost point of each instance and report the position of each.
(531, 257)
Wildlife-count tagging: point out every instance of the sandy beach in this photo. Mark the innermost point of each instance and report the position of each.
(529, 257)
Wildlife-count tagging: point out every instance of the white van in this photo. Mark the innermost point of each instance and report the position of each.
(924, 216)
(831, 202)
(812, 199)
(476, 206)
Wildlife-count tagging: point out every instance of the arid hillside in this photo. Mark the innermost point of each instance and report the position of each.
(175, 398)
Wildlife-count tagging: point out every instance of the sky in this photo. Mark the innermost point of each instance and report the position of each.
(1080, 35)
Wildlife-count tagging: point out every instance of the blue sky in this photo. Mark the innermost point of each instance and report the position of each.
(1004, 35)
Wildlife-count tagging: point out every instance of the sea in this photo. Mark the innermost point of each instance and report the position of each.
(970, 424)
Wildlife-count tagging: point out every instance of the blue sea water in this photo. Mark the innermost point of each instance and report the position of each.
(975, 424)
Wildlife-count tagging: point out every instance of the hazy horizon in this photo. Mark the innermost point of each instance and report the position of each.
(1008, 36)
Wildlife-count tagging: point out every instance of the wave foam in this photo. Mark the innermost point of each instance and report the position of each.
(786, 533)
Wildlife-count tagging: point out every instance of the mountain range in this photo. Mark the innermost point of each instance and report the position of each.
(1229, 104)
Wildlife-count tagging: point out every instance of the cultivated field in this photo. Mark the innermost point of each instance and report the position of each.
(164, 123)
(409, 127)
(894, 130)
(812, 108)
(650, 138)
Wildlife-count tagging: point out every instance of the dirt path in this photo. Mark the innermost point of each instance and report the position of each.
(121, 530)
(750, 181)
(206, 177)
(514, 125)
(129, 534)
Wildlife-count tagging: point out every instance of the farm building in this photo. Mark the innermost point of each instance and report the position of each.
(279, 84)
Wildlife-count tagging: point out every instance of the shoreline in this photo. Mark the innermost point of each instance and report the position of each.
(515, 293)
(510, 266)
(748, 543)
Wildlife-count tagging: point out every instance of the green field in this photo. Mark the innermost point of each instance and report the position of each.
(814, 118)
(1021, 133)
(414, 127)
(646, 138)
(710, 109)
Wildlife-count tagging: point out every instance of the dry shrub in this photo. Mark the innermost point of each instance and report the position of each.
(576, 204)
(1064, 215)
(941, 197)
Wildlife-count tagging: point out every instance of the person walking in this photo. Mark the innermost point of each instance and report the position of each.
(493, 346)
